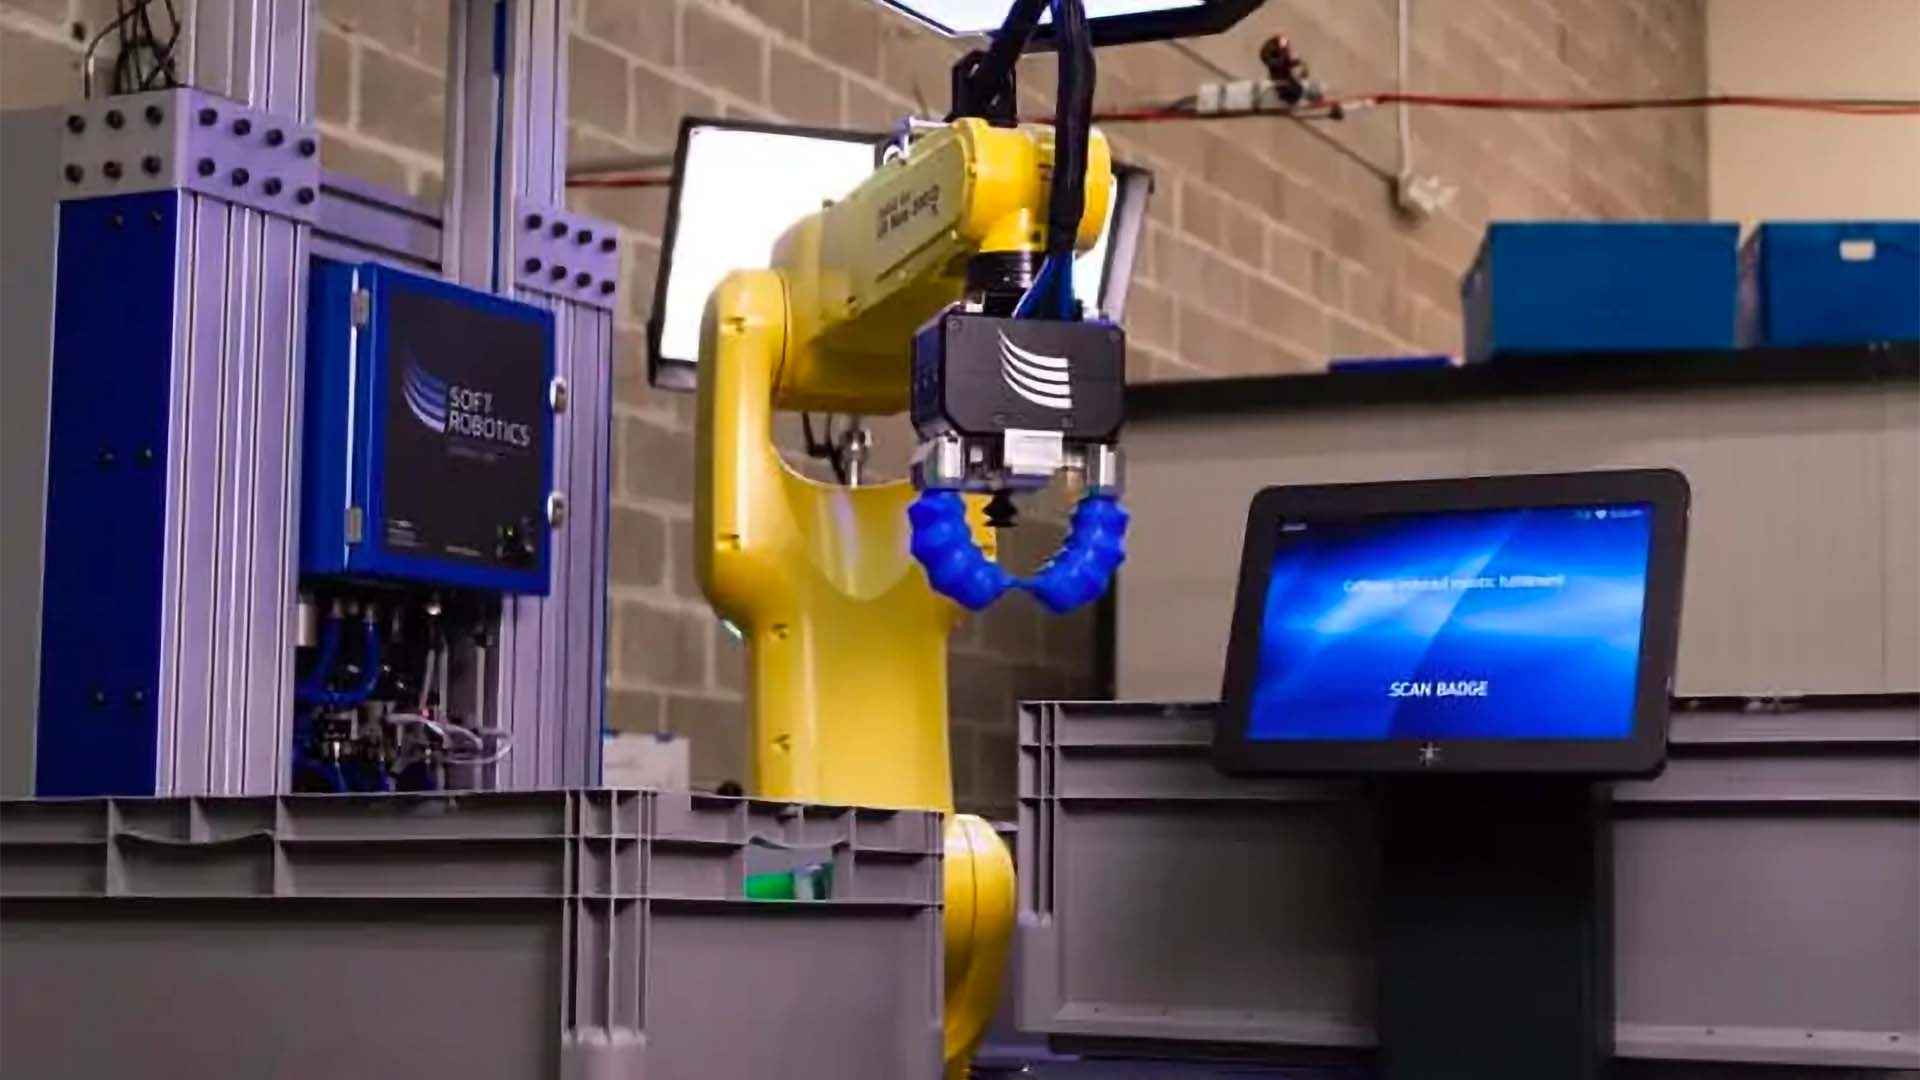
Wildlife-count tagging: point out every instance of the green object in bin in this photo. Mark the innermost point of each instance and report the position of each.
(813, 882)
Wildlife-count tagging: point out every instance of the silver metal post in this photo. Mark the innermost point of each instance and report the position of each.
(856, 446)
(506, 213)
(231, 542)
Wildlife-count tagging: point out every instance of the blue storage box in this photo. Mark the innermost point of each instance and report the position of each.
(1566, 287)
(1830, 283)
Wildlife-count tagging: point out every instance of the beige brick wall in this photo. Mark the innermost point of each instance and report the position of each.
(1268, 250)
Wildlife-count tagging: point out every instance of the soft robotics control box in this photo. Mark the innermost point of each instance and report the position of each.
(429, 433)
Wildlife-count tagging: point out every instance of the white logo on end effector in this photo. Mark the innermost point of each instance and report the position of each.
(1015, 458)
(1040, 379)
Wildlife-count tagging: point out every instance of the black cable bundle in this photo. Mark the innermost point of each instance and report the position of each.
(985, 78)
(1072, 128)
(825, 449)
(142, 60)
(983, 83)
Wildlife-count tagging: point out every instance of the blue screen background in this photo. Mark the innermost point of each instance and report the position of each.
(1359, 608)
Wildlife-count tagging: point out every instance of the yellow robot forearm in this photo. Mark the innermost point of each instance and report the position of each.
(866, 272)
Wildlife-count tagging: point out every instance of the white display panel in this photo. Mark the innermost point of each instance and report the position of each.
(980, 16)
(739, 190)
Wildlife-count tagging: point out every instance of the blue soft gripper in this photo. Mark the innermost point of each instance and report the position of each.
(957, 569)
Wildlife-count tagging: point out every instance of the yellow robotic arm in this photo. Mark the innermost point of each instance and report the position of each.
(846, 641)
(847, 644)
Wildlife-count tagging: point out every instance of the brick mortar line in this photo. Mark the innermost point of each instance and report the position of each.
(362, 39)
(672, 511)
(627, 142)
(1548, 50)
(1294, 291)
(1256, 273)
(892, 94)
(766, 29)
(679, 75)
(661, 597)
(732, 13)
(664, 691)
(1308, 348)
(670, 72)
(412, 157)
(662, 420)
(56, 33)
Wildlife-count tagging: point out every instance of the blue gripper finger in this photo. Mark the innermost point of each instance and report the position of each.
(1083, 567)
(943, 542)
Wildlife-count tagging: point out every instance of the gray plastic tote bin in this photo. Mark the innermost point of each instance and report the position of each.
(1767, 891)
(580, 934)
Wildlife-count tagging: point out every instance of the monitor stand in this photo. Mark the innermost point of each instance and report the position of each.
(1497, 933)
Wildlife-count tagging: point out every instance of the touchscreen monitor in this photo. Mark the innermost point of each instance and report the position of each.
(1491, 624)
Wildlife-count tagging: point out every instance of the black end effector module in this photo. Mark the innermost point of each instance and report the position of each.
(1004, 403)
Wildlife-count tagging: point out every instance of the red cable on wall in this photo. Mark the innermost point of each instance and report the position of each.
(1334, 109)
(1842, 106)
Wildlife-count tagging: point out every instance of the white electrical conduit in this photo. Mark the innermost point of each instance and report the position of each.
(444, 652)
(426, 679)
(478, 736)
(404, 719)
(489, 759)
(1402, 35)
(479, 682)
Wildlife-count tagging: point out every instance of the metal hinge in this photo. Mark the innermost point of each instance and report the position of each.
(362, 307)
(356, 524)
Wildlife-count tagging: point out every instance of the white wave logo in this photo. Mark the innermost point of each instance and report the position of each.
(447, 409)
(1040, 379)
(426, 396)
